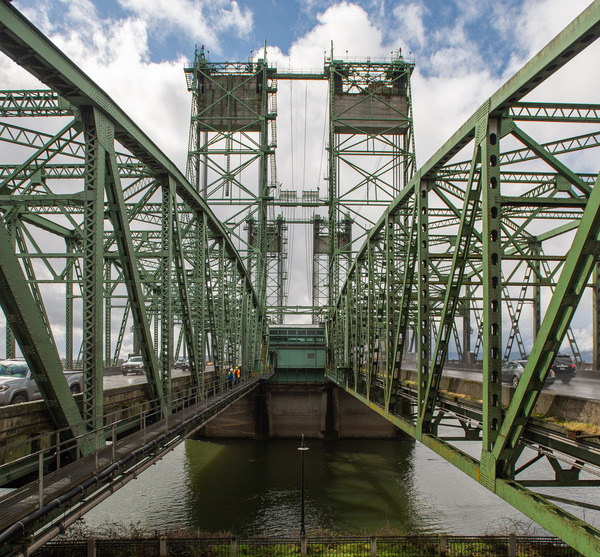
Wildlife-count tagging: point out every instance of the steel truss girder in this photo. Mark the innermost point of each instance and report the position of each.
(169, 217)
(188, 324)
(55, 146)
(17, 103)
(125, 257)
(64, 171)
(37, 343)
(555, 112)
(52, 68)
(98, 139)
(500, 234)
(577, 270)
(585, 141)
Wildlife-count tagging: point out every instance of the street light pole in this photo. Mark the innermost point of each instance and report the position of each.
(302, 450)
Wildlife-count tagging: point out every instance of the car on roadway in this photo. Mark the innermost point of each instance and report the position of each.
(512, 371)
(135, 364)
(182, 363)
(17, 384)
(564, 368)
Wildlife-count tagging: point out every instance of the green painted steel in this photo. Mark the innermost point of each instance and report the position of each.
(37, 344)
(231, 133)
(295, 358)
(457, 244)
(98, 138)
(98, 210)
(166, 293)
(492, 235)
(370, 119)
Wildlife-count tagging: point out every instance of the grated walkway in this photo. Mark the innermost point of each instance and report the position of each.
(24, 501)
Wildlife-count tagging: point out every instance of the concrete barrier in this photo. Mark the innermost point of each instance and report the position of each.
(27, 428)
(562, 407)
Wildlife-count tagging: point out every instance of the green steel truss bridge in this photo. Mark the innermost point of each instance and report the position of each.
(104, 240)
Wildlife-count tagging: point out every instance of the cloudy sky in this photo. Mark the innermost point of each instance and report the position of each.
(136, 51)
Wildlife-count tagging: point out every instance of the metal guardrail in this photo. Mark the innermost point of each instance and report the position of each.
(545, 438)
(52, 450)
(109, 468)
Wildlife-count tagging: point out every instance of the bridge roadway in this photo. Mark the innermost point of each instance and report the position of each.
(96, 476)
(586, 384)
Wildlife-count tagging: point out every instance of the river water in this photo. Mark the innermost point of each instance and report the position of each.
(249, 488)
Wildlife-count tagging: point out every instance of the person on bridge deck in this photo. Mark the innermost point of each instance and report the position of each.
(230, 377)
(238, 372)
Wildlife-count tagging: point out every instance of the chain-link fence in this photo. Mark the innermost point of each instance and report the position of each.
(382, 546)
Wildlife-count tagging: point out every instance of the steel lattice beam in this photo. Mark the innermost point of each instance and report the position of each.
(127, 228)
(502, 243)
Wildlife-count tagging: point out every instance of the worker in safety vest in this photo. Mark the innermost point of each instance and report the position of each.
(238, 372)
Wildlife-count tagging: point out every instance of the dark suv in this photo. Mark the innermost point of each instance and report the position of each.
(564, 368)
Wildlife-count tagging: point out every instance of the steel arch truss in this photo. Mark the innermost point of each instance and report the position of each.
(497, 220)
(97, 227)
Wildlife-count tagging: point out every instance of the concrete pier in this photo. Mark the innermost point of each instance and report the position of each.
(319, 411)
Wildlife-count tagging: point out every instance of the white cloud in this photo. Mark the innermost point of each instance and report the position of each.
(537, 23)
(351, 31)
(412, 29)
(115, 54)
(442, 104)
(542, 20)
(310, 5)
(15, 77)
(199, 20)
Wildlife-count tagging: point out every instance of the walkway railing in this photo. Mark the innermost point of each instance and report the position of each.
(79, 485)
(53, 450)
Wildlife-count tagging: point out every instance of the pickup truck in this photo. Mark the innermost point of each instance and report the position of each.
(17, 385)
(135, 364)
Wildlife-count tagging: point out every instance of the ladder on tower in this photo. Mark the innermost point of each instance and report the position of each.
(273, 130)
(479, 339)
(459, 351)
(515, 314)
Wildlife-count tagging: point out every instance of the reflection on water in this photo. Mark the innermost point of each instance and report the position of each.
(253, 487)
(350, 486)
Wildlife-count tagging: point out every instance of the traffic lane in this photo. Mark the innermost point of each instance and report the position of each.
(115, 380)
(581, 387)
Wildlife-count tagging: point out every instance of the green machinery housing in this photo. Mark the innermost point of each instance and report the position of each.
(298, 353)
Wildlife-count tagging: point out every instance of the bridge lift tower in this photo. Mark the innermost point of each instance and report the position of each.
(231, 162)
(371, 157)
